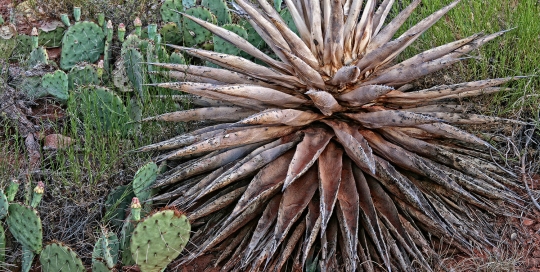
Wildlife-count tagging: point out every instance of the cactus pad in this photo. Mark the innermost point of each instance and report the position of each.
(84, 41)
(106, 249)
(25, 225)
(2, 244)
(168, 9)
(220, 9)
(24, 47)
(134, 69)
(8, 40)
(143, 179)
(193, 33)
(159, 239)
(4, 205)
(177, 58)
(105, 106)
(51, 34)
(99, 266)
(223, 46)
(171, 33)
(57, 257)
(116, 204)
(81, 75)
(188, 3)
(37, 56)
(56, 85)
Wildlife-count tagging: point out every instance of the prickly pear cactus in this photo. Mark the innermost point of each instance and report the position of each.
(51, 34)
(4, 205)
(38, 56)
(133, 58)
(106, 106)
(8, 40)
(223, 46)
(99, 266)
(56, 84)
(24, 48)
(159, 239)
(27, 259)
(189, 3)
(2, 244)
(168, 11)
(220, 9)
(106, 249)
(25, 225)
(193, 33)
(58, 257)
(127, 230)
(81, 75)
(116, 204)
(171, 33)
(143, 179)
(177, 58)
(84, 41)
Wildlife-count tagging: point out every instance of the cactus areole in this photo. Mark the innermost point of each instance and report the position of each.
(323, 152)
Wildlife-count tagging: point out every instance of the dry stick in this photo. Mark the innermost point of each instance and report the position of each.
(526, 176)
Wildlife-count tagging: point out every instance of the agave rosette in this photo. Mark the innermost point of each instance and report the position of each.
(322, 155)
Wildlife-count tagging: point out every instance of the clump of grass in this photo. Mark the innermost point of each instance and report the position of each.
(510, 55)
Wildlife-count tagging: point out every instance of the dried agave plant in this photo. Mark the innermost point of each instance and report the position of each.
(322, 157)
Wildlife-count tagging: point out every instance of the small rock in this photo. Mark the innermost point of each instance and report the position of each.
(57, 141)
(513, 236)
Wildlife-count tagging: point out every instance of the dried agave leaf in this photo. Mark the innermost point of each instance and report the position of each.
(243, 137)
(220, 114)
(307, 152)
(330, 176)
(289, 117)
(295, 199)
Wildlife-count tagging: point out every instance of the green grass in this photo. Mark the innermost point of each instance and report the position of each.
(513, 54)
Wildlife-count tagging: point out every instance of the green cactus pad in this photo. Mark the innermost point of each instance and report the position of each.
(24, 48)
(57, 257)
(134, 69)
(110, 254)
(38, 56)
(116, 204)
(125, 241)
(99, 266)
(168, 9)
(177, 58)
(51, 34)
(4, 205)
(27, 259)
(159, 239)
(220, 9)
(56, 85)
(84, 41)
(192, 32)
(8, 40)
(81, 75)
(189, 3)
(119, 76)
(171, 33)
(223, 46)
(2, 244)
(25, 225)
(106, 107)
(143, 179)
